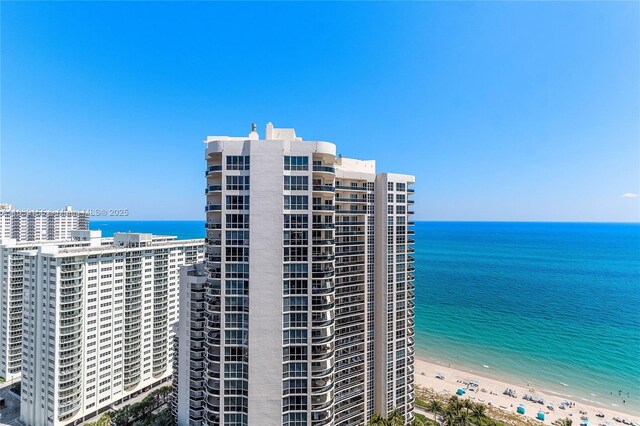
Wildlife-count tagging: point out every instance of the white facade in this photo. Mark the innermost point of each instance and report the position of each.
(97, 322)
(11, 295)
(37, 225)
(189, 346)
(293, 291)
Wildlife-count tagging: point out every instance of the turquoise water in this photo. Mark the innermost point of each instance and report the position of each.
(183, 229)
(556, 305)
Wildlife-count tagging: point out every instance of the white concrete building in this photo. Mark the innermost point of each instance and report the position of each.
(97, 322)
(303, 325)
(11, 295)
(189, 359)
(37, 225)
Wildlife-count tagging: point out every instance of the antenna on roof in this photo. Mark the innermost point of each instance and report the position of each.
(253, 127)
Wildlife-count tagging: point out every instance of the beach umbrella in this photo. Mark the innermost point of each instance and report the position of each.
(520, 409)
(540, 415)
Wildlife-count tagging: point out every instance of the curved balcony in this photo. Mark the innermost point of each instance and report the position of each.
(323, 226)
(323, 207)
(69, 291)
(212, 403)
(323, 242)
(322, 319)
(322, 351)
(70, 340)
(131, 382)
(74, 315)
(321, 418)
(355, 212)
(330, 189)
(351, 200)
(70, 306)
(69, 410)
(158, 370)
(322, 169)
(324, 259)
(322, 335)
(322, 271)
(71, 367)
(351, 188)
(70, 380)
(212, 386)
(320, 367)
(212, 418)
(212, 188)
(69, 357)
(212, 170)
(72, 391)
(322, 385)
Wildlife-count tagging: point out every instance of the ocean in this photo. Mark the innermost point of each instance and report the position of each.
(553, 305)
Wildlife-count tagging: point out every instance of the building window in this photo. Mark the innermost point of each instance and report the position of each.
(237, 202)
(237, 221)
(296, 183)
(296, 163)
(237, 254)
(238, 183)
(296, 221)
(296, 202)
(238, 162)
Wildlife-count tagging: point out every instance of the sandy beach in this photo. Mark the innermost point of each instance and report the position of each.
(490, 391)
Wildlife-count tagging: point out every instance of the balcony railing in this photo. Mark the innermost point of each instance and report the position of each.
(324, 188)
(324, 169)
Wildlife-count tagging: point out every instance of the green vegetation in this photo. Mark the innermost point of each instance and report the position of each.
(393, 419)
(465, 416)
(458, 412)
(104, 420)
(563, 422)
(421, 403)
(140, 413)
(426, 421)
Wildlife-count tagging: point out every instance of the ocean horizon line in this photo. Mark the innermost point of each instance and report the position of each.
(421, 220)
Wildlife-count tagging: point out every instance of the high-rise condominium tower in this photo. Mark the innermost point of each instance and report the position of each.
(303, 311)
(35, 225)
(12, 291)
(97, 322)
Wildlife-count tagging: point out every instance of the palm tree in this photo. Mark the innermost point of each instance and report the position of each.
(564, 422)
(395, 418)
(417, 422)
(464, 418)
(450, 416)
(467, 404)
(434, 406)
(455, 404)
(378, 420)
(478, 412)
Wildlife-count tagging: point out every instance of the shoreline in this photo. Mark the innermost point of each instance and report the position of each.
(454, 376)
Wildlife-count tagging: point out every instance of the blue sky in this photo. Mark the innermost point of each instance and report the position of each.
(503, 111)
